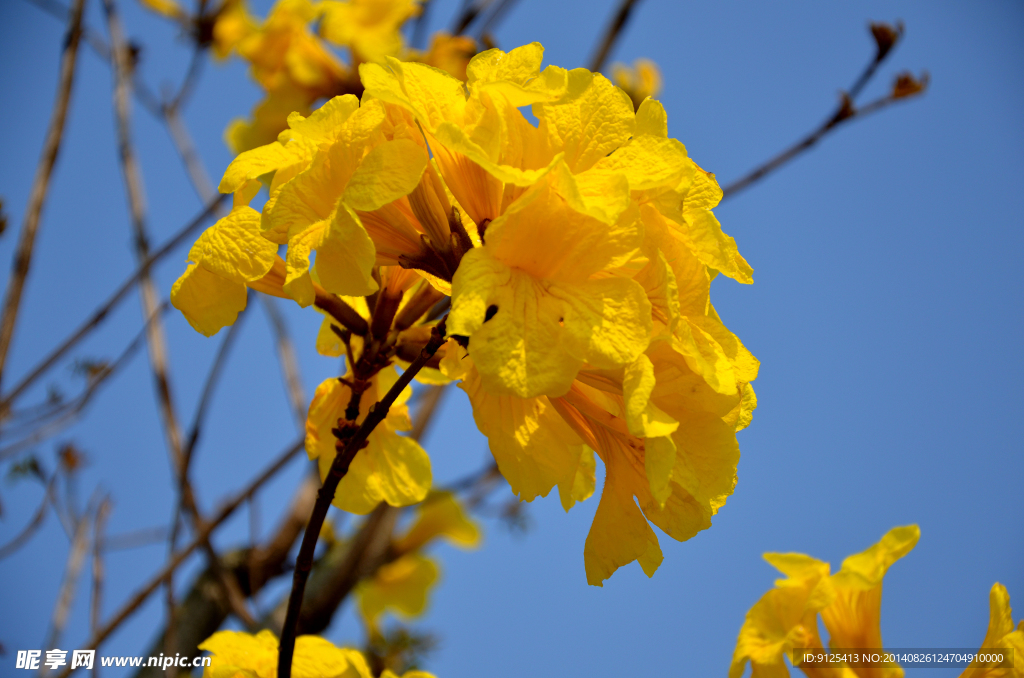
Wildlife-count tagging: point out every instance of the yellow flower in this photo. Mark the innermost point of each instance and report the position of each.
(1000, 635)
(640, 81)
(242, 655)
(370, 28)
(226, 257)
(168, 8)
(557, 332)
(849, 603)
(392, 467)
(283, 51)
(403, 586)
(232, 24)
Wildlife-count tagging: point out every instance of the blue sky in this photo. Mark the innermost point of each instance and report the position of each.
(886, 312)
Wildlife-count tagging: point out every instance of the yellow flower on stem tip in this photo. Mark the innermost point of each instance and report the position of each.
(640, 81)
(243, 655)
(370, 28)
(403, 586)
(283, 51)
(168, 8)
(1001, 635)
(849, 603)
(392, 468)
(231, 26)
(227, 256)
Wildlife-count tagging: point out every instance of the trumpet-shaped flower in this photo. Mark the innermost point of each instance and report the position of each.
(849, 603)
(242, 655)
(1001, 635)
(392, 468)
(236, 654)
(639, 81)
(370, 28)
(403, 586)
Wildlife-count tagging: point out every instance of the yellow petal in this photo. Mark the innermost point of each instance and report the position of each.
(440, 515)
(429, 93)
(620, 533)
(854, 617)
(345, 257)
(607, 322)
(594, 119)
(392, 468)
(387, 173)
(516, 75)
(400, 587)
(208, 301)
(233, 247)
(651, 119)
(533, 447)
(583, 481)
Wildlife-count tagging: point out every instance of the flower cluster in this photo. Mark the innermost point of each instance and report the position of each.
(849, 604)
(578, 254)
(292, 58)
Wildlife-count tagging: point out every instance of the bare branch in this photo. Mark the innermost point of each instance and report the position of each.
(179, 557)
(76, 559)
(136, 203)
(101, 313)
(33, 525)
(611, 34)
(41, 184)
(65, 413)
(886, 38)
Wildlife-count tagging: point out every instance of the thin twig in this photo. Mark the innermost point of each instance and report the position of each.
(98, 526)
(611, 34)
(844, 112)
(135, 539)
(65, 414)
(212, 379)
(496, 16)
(33, 525)
(339, 467)
(76, 559)
(175, 561)
(186, 149)
(470, 11)
(136, 204)
(101, 313)
(40, 185)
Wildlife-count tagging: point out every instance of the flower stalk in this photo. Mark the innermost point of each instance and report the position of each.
(339, 467)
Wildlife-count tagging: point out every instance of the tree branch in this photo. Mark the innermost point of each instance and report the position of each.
(179, 557)
(886, 37)
(101, 313)
(40, 185)
(611, 34)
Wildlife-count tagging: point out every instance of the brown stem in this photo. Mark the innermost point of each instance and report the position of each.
(339, 467)
(40, 185)
(98, 572)
(611, 34)
(179, 557)
(333, 305)
(33, 525)
(845, 111)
